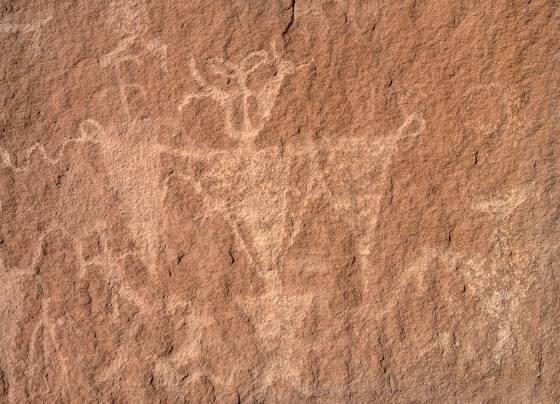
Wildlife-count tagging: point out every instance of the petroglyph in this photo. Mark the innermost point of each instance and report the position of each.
(256, 208)
(43, 339)
(187, 362)
(37, 148)
(498, 281)
(294, 201)
(265, 226)
(250, 189)
(250, 210)
(280, 324)
(265, 97)
(499, 295)
(503, 277)
(47, 335)
(124, 54)
(27, 28)
(506, 264)
(265, 233)
(122, 144)
(44, 335)
(502, 207)
(232, 188)
(135, 179)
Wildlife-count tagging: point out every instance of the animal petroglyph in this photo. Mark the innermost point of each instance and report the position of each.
(498, 294)
(497, 281)
(27, 28)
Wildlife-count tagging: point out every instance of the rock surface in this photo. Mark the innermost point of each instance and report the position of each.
(279, 201)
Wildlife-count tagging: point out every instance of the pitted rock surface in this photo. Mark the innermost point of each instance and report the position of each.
(250, 201)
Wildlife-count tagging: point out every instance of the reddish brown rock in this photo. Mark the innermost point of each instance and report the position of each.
(279, 201)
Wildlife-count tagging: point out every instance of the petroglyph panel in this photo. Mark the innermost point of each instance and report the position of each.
(284, 201)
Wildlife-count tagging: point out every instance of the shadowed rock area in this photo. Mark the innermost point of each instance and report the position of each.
(284, 201)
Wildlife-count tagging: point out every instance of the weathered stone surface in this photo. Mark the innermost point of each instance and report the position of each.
(279, 201)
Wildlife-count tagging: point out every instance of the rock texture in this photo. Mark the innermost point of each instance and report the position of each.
(279, 201)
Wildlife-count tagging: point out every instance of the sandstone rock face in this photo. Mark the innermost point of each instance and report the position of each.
(279, 201)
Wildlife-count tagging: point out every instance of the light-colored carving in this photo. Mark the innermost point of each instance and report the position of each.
(248, 187)
(259, 209)
(191, 354)
(505, 275)
(499, 295)
(265, 97)
(39, 149)
(27, 28)
(137, 160)
(278, 319)
(133, 172)
(265, 226)
(44, 333)
(251, 207)
(502, 207)
(499, 281)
